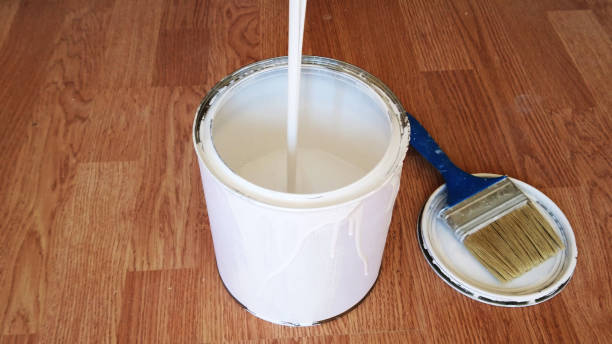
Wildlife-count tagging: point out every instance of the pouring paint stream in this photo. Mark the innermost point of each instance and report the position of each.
(297, 13)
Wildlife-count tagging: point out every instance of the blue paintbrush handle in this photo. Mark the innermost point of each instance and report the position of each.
(459, 184)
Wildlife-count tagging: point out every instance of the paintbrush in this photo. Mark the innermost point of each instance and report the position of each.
(496, 222)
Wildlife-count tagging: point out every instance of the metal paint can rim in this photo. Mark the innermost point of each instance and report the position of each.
(369, 80)
(536, 286)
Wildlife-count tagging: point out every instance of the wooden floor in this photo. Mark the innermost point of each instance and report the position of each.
(104, 231)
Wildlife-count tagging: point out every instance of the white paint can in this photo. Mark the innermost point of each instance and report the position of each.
(305, 257)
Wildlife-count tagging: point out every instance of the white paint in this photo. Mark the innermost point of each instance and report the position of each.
(287, 256)
(331, 171)
(351, 227)
(356, 226)
(284, 264)
(332, 251)
(297, 13)
(395, 184)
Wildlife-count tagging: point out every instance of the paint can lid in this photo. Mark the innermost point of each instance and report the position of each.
(459, 269)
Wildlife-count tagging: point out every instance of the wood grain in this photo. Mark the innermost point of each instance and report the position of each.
(19, 339)
(235, 36)
(161, 237)
(85, 270)
(130, 44)
(183, 44)
(439, 45)
(589, 47)
(104, 235)
(8, 9)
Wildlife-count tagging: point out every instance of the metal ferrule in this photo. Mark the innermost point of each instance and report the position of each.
(484, 208)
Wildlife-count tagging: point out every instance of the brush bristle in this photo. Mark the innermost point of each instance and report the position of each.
(515, 243)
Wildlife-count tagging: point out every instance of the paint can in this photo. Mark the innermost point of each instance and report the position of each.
(305, 257)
